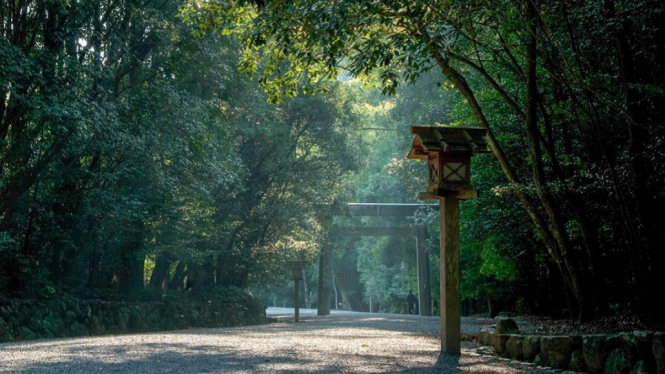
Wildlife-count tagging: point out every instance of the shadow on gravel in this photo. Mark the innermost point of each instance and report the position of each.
(185, 359)
(172, 358)
(181, 359)
(218, 362)
(317, 345)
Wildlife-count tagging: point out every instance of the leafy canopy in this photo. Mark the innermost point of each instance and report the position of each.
(300, 45)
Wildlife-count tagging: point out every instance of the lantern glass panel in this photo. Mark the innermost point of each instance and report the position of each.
(454, 172)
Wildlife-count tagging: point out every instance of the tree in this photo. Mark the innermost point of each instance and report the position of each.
(529, 72)
(295, 155)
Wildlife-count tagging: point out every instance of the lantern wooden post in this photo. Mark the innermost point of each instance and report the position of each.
(449, 296)
(448, 152)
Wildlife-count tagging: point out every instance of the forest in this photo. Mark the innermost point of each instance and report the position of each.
(173, 146)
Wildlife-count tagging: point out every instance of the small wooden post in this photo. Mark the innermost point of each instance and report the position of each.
(296, 274)
(296, 298)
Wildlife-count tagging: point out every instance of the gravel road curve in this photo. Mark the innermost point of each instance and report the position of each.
(344, 342)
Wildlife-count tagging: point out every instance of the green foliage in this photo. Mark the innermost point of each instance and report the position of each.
(571, 93)
(316, 41)
(385, 278)
(123, 138)
(495, 264)
(65, 316)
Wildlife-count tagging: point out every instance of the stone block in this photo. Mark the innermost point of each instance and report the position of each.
(112, 329)
(531, 347)
(484, 337)
(506, 326)
(77, 329)
(627, 343)
(96, 326)
(500, 344)
(577, 362)
(617, 363)
(538, 360)
(595, 349)
(70, 317)
(555, 360)
(643, 341)
(557, 350)
(658, 349)
(25, 333)
(4, 331)
(514, 347)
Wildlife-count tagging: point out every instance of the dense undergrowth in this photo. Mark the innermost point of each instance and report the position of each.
(67, 316)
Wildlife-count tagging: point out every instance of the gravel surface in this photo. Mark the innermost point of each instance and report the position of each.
(344, 342)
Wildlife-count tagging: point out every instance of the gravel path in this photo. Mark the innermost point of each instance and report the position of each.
(344, 342)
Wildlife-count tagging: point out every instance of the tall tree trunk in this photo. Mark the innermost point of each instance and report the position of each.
(535, 152)
(177, 281)
(160, 274)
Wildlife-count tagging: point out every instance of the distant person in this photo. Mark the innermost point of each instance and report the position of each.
(411, 303)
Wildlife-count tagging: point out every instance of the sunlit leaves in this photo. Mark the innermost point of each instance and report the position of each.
(317, 39)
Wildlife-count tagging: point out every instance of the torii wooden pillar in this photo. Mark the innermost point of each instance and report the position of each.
(424, 300)
(448, 152)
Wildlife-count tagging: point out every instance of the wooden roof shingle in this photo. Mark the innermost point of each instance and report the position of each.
(457, 141)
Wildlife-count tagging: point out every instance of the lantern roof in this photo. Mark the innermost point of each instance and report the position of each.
(453, 141)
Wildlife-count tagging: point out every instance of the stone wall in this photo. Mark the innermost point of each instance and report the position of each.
(626, 353)
(34, 319)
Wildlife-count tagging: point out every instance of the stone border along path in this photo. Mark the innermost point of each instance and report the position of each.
(344, 342)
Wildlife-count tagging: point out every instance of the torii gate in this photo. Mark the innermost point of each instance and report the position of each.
(384, 210)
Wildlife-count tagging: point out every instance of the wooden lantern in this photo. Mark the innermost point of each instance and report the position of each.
(448, 152)
(296, 269)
